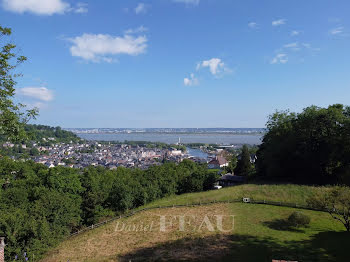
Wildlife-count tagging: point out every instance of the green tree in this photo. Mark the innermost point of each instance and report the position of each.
(232, 164)
(244, 166)
(310, 147)
(34, 151)
(13, 116)
(97, 183)
(336, 202)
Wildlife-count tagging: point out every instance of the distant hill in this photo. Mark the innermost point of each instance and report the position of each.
(42, 133)
(47, 135)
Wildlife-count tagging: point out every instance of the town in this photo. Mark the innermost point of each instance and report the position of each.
(109, 155)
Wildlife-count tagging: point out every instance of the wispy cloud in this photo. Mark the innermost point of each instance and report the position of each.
(295, 33)
(279, 22)
(293, 46)
(188, 2)
(337, 31)
(103, 47)
(81, 8)
(140, 29)
(42, 7)
(191, 81)
(279, 59)
(39, 93)
(287, 52)
(141, 8)
(253, 25)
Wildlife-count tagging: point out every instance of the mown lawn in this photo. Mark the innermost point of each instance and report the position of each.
(259, 234)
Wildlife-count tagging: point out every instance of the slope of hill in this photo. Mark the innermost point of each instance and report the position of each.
(275, 192)
(39, 133)
(259, 233)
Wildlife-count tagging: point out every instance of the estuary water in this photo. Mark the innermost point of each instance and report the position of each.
(172, 138)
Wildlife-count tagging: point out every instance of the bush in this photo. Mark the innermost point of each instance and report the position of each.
(298, 219)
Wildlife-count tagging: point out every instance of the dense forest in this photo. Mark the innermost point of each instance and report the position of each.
(41, 206)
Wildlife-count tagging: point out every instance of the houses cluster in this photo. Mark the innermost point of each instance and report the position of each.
(107, 155)
(112, 156)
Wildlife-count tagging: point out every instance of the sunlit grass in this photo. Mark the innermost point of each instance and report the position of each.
(257, 234)
(285, 193)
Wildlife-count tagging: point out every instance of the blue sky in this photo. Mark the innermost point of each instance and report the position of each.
(178, 63)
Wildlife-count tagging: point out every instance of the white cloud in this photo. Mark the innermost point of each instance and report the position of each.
(81, 8)
(215, 66)
(279, 59)
(299, 46)
(192, 81)
(40, 93)
(279, 22)
(188, 2)
(39, 7)
(337, 30)
(294, 33)
(252, 25)
(102, 47)
(43, 7)
(140, 29)
(141, 8)
(284, 54)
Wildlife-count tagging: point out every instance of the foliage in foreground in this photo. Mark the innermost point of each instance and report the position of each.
(40, 206)
(12, 117)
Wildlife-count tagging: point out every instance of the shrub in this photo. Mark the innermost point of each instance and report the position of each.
(298, 219)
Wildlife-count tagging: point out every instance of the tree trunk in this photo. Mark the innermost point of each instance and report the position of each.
(348, 226)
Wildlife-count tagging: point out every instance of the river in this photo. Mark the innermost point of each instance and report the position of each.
(172, 138)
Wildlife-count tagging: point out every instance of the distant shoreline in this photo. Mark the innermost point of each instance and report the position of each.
(170, 131)
(173, 138)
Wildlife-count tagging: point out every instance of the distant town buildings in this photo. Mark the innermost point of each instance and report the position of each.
(108, 155)
(217, 163)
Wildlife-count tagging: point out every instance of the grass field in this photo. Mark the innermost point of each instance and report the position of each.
(259, 232)
(284, 193)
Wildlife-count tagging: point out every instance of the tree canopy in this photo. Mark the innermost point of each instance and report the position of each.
(40, 206)
(12, 115)
(309, 147)
(244, 166)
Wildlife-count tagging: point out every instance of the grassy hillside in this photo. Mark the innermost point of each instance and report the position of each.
(284, 193)
(259, 233)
